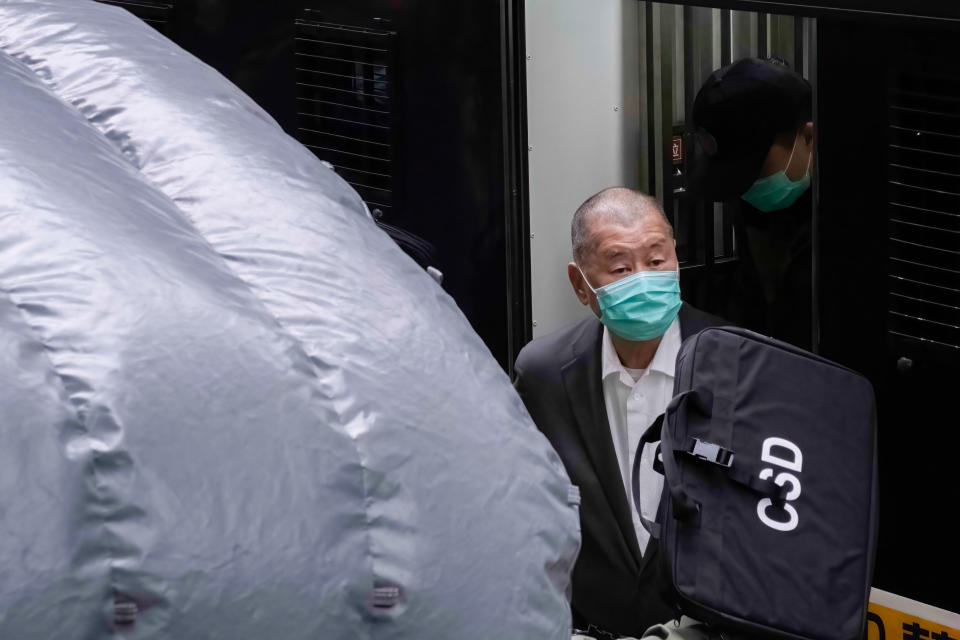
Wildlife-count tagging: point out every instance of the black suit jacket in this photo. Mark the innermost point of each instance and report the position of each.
(559, 379)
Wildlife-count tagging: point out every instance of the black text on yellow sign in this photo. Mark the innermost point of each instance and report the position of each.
(894, 618)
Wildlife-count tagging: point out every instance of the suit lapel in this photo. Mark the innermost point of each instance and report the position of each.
(582, 381)
(693, 321)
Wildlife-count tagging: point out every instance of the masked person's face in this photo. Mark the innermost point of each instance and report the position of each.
(785, 173)
(630, 279)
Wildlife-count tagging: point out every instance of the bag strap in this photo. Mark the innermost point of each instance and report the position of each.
(764, 487)
(683, 507)
(708, 452)
(651, 435)
(701, 401)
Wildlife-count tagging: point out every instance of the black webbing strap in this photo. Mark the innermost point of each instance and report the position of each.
(651, 435)
(700, 401)
(707, 452)
(764, 487)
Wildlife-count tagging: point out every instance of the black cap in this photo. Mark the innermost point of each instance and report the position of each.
(736, 116)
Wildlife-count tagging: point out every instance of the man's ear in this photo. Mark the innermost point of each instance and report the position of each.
(807, 131)
(578, 283)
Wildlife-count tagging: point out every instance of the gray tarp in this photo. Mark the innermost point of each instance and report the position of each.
(230, 406)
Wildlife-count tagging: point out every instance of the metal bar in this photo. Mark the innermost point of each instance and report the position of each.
(665, 44)
(127, 3)
(729, 244)
(643, 113)
(385, 82)
(716, 235)
(923, 226)
(341, 27)
(318, 56)
(910, 206)
(926, 111)
(693, 269)
(350, 91)
(913, 186)
(363, 124)
(694, 213)
(691, 54)
(762, 35)
(743, 35)
(337, 135)
(340, 104)
(798, 45)
(813, 59)
(924, 246)
(367, 186)
(725, 35)
(927, 320)
(943, 344)
(936, 153)
(340, 44)
(515, 175)
(372, 173)
(921, 94)
(918, 131)
(651, 101)
(780, 42)
(379, 204)
(941, 173)
(939, 304)
(809, 52)
(726, 53)
(394, 82)
(926, 284)
(921, 264)
(358, 155)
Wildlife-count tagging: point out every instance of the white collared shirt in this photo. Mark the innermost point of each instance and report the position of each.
(631, 407)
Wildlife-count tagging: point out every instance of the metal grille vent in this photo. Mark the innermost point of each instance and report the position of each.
(345, 89)
(156, 14)
(924, 210)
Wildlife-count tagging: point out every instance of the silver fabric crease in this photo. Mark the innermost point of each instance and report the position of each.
(230, 406)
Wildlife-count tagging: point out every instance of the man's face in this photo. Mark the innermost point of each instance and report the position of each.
(616, 251)
(779, 156)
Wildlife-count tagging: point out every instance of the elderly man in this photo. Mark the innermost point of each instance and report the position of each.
(593, 388)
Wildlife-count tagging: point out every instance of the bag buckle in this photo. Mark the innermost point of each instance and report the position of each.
(709, 452)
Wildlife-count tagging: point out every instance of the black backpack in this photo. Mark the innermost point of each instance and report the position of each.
(768, 517)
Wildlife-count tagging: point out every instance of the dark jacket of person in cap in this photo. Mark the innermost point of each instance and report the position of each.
(754, 146)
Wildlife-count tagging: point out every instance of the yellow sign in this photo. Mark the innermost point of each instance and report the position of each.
(893, 617)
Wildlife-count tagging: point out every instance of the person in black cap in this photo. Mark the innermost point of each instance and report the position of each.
(754, 143)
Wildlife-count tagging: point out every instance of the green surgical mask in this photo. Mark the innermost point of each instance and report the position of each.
(640, 306)
(777, 191)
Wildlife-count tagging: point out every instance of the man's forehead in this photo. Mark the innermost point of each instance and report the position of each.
(648, 231)
(612, 246)
(625, 214)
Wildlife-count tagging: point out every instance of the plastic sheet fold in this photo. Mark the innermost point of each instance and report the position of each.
(230, 406)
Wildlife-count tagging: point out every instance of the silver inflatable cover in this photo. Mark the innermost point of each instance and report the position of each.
(230, 406)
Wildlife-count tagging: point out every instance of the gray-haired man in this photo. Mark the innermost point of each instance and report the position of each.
(594, 387)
